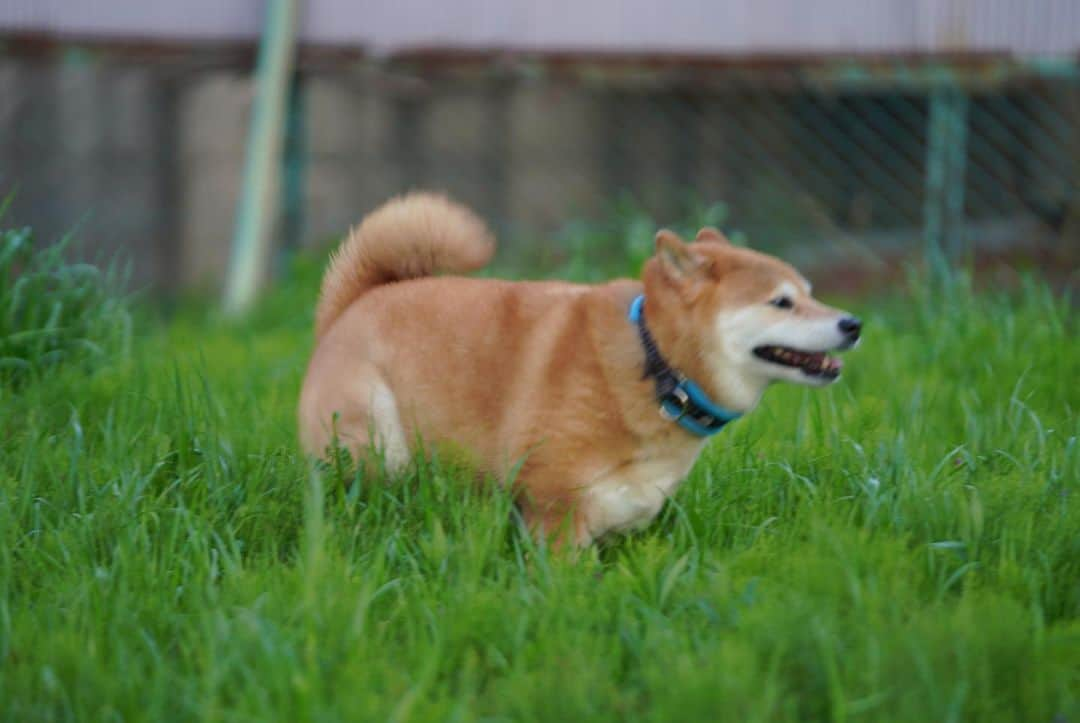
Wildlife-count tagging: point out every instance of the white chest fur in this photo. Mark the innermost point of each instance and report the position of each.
(630, 496)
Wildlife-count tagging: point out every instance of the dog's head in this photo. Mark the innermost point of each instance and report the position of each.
(740, 318)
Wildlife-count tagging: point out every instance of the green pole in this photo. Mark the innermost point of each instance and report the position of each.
(294, 164)
(946, 161)
(256, 213)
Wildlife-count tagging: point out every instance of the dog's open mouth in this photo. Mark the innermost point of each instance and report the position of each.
(812, 363)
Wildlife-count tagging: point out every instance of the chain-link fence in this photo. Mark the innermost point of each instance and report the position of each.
(969, 157)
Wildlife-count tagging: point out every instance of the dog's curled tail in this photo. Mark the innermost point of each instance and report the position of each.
(407, 237)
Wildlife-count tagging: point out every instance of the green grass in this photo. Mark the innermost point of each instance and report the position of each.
(53, 312)
(902, 546)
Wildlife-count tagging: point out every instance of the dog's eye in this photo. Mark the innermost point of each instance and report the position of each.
(782, 302)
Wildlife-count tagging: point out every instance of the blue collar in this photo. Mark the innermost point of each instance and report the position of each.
(681, 401)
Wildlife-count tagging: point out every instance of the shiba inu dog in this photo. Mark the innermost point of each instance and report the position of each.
(604, 395)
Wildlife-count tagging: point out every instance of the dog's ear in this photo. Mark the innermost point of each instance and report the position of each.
(676, 258)
(711, 235)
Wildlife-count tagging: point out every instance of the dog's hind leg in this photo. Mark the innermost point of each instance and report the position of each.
(388, 434)
(363, 417)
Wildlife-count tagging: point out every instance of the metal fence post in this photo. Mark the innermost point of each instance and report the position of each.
(946, 161)
(294, 168)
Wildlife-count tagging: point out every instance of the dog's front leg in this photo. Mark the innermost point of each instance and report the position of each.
(559, 524)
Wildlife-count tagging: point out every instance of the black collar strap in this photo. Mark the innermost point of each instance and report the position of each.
(681, 401)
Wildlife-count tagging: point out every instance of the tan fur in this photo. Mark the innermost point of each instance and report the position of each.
(543, 374)
(409, 237)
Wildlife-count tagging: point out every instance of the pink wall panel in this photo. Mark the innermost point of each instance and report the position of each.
(717, 27)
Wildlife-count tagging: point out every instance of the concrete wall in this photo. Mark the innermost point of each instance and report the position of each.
(87, 149)
(149, 161)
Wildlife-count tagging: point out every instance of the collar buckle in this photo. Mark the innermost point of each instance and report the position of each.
(680, 400)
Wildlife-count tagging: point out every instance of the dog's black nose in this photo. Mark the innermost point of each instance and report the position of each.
(851, 326)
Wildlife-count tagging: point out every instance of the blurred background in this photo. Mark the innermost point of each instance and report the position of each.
(845, 134)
